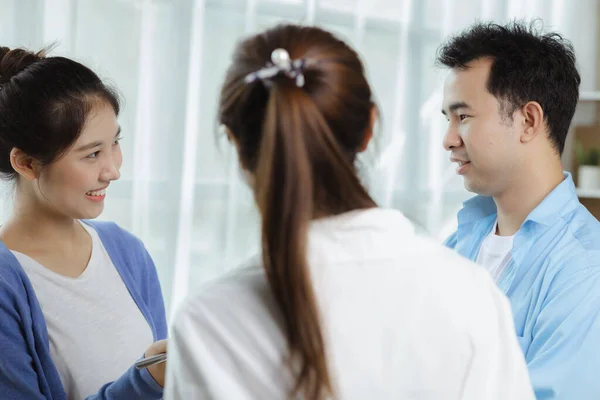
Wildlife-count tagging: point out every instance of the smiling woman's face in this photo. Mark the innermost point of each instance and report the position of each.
(75, 184)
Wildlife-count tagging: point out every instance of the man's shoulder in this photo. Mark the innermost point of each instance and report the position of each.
(577, 245)
(583, 225)
(583, 228)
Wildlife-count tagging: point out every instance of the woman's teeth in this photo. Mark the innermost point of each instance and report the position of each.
(97, 193)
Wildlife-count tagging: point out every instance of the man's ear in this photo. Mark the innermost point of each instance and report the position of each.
(25, 165)
(533, 121)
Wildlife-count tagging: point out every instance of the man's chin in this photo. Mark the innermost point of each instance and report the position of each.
(472, 187)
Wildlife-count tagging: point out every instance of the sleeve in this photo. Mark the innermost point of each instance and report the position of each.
(134, 384)
(18, 378)
(564, 354)
(497, 370)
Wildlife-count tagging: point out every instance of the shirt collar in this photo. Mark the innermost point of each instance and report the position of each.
(561, 199)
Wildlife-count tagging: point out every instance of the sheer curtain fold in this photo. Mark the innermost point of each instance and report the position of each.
(181, 189)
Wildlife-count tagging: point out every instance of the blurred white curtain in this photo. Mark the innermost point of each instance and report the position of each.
(181, 190)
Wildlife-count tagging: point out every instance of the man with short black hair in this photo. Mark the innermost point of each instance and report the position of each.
(509, 98)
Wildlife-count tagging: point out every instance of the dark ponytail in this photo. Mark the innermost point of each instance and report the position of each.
(300, 144)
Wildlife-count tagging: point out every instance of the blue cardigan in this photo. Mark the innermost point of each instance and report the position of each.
(26, 368)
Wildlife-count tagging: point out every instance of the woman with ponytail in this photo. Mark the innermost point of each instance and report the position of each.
(346, 301)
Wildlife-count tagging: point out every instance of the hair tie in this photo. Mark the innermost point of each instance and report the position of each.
(280, 63)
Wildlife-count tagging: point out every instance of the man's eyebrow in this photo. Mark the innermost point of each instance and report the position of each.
(455, 106)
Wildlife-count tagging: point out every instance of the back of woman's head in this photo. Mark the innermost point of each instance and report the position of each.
(44, 103)
(298, 124)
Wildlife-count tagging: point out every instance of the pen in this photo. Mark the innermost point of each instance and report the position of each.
(149, 361)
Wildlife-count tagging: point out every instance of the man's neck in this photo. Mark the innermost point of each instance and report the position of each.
(524, 195)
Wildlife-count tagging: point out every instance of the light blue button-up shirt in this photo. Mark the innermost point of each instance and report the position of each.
(553, 283)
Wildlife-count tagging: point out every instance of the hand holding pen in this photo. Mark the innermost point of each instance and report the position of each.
(155, 361)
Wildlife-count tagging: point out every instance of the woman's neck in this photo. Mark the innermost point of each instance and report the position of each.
(33, 225)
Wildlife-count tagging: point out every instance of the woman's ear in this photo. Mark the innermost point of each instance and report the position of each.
(25, 165)
(224, 130)
(248, 176)
(369, 131)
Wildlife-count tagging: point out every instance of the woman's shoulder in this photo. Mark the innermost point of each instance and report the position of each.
(110, 228)
(238, 306)
(444, 270)
(13, 279)
(244, 283)
(458, 290)
(116, 239)
(126, 251)
(238, 295)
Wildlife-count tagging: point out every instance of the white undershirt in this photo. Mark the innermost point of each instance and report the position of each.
(495, 253)
(96, 330)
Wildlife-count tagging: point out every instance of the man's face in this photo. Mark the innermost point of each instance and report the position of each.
(482, 140)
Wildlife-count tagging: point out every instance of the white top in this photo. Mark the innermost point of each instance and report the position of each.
(495, 253)
(404, 318)
(96, 330)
